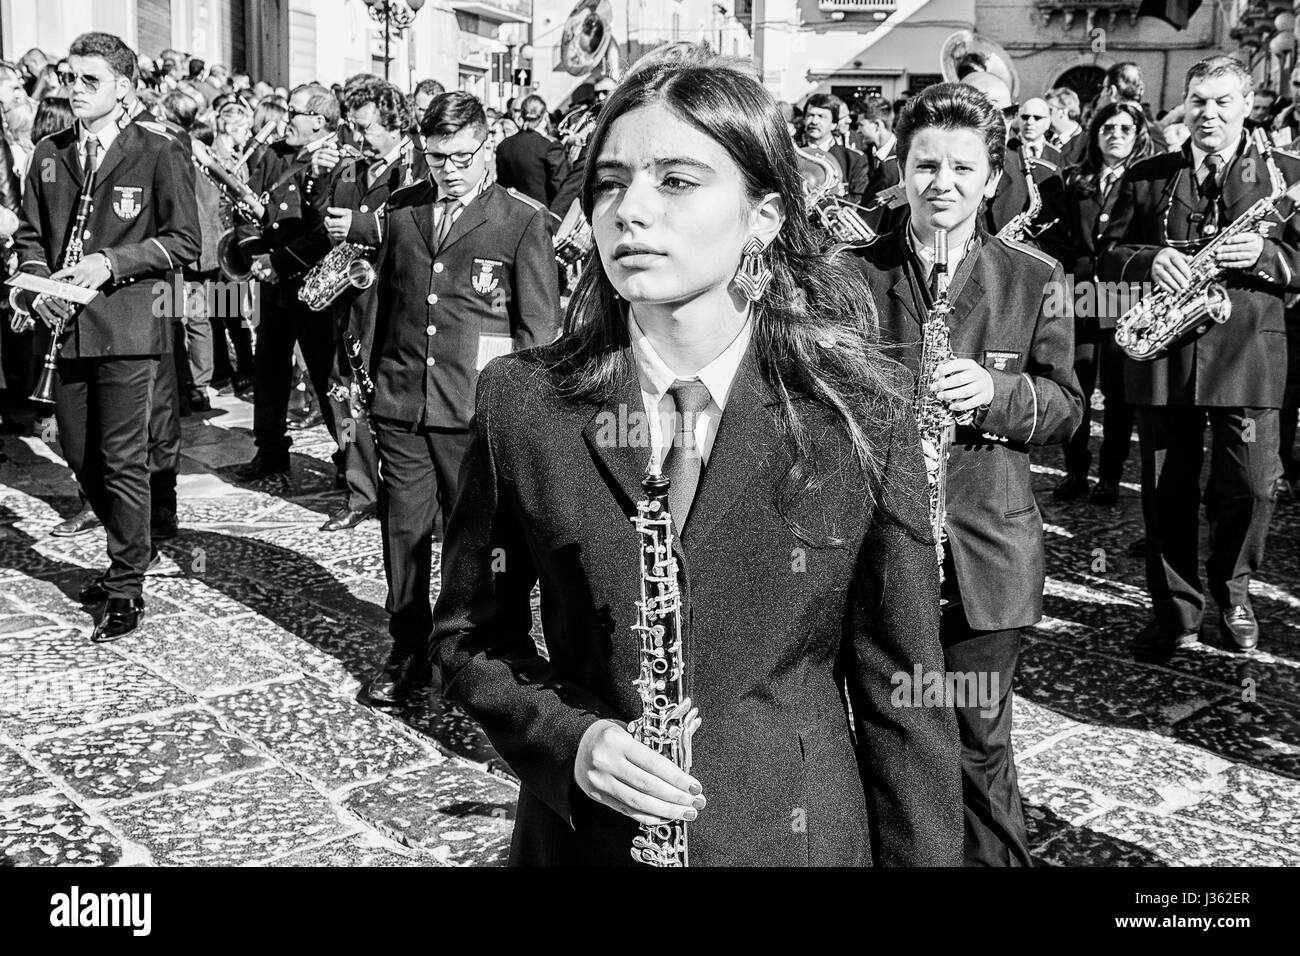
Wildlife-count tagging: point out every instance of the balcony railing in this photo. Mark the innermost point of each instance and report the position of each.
(499, 11)
(856, 6)
(1091, 13)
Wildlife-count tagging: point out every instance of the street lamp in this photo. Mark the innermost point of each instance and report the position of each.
(394, 16)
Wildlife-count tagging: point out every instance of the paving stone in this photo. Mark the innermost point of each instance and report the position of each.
(1101, 690)
(1266, 736)
(17, 625)
(145, 756)
(202, 655)
(1251, 801)
(1081, 846)
(1059, 799)
(245, 819)
(334, 741)
(1032, 724)
(1182, 842)
(359, 850)
(50, 651)
(434, 717)
(79, 698)
(18, 778)
(196, 596)
(460, 816)
(52, 831)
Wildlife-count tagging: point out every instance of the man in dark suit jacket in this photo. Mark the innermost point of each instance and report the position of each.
(297, 175)
(390, 160)
(1066, 134)
(1003, 319)
(461, 280)
(130, 190)
(1232, 376)
(527, 161)
(821, 115)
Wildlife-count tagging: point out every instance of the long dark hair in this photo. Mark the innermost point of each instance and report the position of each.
(1085, 175)
(814, 331)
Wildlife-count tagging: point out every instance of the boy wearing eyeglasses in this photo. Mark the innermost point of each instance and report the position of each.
(295, 175)
(108, 205)
(466, 273)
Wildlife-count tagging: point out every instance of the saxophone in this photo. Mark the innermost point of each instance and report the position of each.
(935, 421)
(663, 726)
(347, 264)
(1017, 227)
(823, 191)
(1154, 323)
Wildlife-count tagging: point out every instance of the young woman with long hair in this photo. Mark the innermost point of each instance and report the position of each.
(712, 340)
(1008, 368)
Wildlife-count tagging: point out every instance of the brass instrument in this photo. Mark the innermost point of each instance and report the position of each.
(72, 254)
(346, 266)
(1017, 227)
(244, 203)
(573, 243)
(824, 190)
(935, 421)
(665, 724)
(1153, 324)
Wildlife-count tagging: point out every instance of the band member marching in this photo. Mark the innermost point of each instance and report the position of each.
(109, 205)
(713, 343)
(1231, 377)
(466, 273)
(295, 175)
(390, 159)
(1010, 375)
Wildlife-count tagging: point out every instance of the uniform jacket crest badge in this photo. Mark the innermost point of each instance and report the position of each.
(486, 275)
(126, 202)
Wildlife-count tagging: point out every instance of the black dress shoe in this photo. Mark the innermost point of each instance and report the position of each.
(1283, 490)
(392, 685)
(1104, 492)
(300, 423)
(121, 617)
(200, 402)
(262, 467)
(346, 518)
(162, 525)
(1155, 643)
(241, 384)
(1238, 622)
(94, 591)
(1073, 485)
(83, 521)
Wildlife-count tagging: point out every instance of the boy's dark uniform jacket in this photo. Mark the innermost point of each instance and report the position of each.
(442, 313)
(354, 310)
(144, 219)
(766, 649)
(1243, 361)
(1005, 318)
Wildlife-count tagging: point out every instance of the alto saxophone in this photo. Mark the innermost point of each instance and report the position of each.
(1017, 227)
(935, 421)
(664, 724)
(1153, 324)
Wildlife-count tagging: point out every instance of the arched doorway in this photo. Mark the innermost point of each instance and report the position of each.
(1084, 80)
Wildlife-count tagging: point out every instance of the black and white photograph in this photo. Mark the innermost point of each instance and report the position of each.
(651, 434)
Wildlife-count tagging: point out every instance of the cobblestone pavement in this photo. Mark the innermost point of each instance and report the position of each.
(228, 729)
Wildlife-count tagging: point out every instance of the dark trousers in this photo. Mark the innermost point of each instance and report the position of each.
(1244, 464)
(102, 407)
(994, 819)
(282, 325)
(355, 438)
(419, 470)
(1291, 398)
(1102, 360)
(232, 348)
(165, 427)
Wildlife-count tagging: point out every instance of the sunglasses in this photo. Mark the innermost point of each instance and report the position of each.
(1119, 129)
(458, 160)
(69, 79)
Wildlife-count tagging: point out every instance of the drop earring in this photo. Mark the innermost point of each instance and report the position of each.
(753, 277)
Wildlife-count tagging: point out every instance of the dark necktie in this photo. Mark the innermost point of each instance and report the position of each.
(684, 462)
(1211, 190)
(92, 156)
(449, 207)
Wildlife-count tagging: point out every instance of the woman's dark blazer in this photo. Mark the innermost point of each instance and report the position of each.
(1012, 317)
(1089, 211)
(774, 628)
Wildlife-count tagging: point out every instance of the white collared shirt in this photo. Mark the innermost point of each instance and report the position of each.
(106, 137)
(384, 163)
(656, 378)
(887, 150)
(925, 253)
(442, 207)
(1199, 155)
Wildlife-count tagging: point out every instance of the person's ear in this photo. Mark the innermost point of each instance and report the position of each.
(767, 218)
(991, 187)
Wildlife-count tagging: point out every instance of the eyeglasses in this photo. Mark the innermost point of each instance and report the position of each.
(1119, 129)
(295, 112)
(69, 79)
(1026, 117)
(458, 160)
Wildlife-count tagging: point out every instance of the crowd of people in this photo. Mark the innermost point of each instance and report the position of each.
(467, 300)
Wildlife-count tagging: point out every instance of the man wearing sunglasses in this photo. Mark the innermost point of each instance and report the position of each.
(295, 174)
(466, 273)
(133, 185)
(1230, 376)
